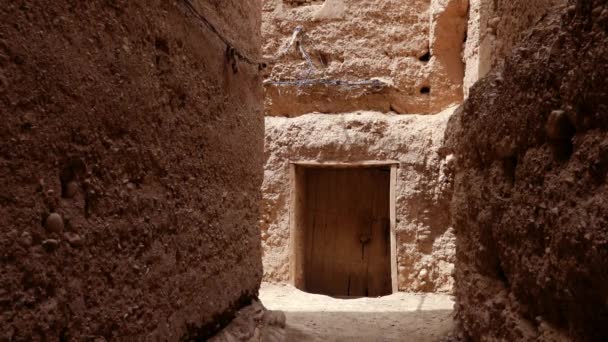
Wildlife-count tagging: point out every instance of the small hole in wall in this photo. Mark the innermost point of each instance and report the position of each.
(425, 90)
(299, 3)
(323, 58)
(563, 131)
(509, 165)
(162, 45)
(500, 272)
(426, 57)
(563, 149)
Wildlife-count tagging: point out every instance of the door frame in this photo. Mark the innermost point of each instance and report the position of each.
(297, 236)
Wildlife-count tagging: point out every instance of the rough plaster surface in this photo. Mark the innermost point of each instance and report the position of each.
(530, 206)
(425, 242)
(130, 166)
(510, 22)
(494, 27)
(363, 39)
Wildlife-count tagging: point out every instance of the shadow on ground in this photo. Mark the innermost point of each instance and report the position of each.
(431, 325)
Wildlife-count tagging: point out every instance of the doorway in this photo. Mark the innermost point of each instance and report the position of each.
(343, 229)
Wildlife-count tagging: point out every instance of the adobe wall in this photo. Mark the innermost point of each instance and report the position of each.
(353, 40)
(425, 246)
(403, 45)
(130, 167)
(529, 206)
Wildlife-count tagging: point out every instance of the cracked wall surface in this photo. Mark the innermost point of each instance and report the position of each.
(130, 167)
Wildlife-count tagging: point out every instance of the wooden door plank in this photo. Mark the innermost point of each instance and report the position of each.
(393, 220)
(344, 207)
(378, 263)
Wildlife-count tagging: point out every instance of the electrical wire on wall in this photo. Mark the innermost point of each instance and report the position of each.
(234, 54)
(297, 40)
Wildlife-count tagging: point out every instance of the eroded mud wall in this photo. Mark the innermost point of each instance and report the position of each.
(529, 206)
(130, 167)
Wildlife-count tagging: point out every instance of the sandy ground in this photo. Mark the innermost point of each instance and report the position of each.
(398, 317)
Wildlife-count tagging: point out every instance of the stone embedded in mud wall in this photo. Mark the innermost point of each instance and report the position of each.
(530, 206)
(425, 241)
(130, 167)
(412, 49)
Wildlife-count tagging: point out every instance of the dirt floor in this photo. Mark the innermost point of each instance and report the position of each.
(398, 317)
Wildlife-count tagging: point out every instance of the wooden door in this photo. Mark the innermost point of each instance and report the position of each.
(347, 228)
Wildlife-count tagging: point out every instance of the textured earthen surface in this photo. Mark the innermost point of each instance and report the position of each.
(409, 46)
(530, 199)
(494, 27)
(511, 20)
(130, 167)
(425, 242)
